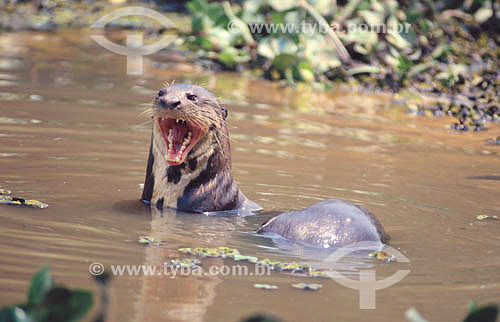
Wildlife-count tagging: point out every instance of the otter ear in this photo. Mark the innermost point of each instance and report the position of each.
(224, 112)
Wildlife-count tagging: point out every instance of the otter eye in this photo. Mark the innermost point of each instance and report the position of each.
(191, 97)
(161, 92)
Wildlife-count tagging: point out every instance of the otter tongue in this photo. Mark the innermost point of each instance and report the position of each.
(176, 142)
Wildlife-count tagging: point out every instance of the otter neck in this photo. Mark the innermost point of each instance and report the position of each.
(202, 183)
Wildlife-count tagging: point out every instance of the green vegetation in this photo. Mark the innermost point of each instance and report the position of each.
(48, 302)
(450, 48)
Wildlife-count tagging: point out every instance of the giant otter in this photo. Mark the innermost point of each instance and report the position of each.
(330, 223)
(189, 169)
(189, 166)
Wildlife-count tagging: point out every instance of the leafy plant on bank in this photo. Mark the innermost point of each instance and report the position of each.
(399, 37)
(448, 47)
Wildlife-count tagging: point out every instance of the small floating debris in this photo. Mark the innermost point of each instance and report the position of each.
(317, 274)
(284, 266)
(484, 217)
(307, 286)
(383, 256)
(184, 263)
(244, 258)
(294, 267)
(494, 141)
(274, 265)
(20, 202)
(269, 263)
(266, 286)
(35, 97)
(146, 240)
(5, 192)
(221, 252)
(413, 315)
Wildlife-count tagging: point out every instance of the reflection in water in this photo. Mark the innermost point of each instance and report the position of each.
(183, 298)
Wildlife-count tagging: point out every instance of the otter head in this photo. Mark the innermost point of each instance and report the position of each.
(187, 116)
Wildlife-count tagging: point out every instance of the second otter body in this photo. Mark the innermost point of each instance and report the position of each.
(189, 169)
(327, 224)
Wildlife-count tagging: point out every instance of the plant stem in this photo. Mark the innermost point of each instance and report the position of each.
(247, 35)
(339, 47)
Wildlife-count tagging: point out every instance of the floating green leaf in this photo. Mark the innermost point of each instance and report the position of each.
(222, 252)
(184, 263)
(483, 217)
(320, 274)
(266, 286)
(14, 201)
(146, 240)
(244, 258)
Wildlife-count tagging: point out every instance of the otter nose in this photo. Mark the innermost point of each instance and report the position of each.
(170, 102)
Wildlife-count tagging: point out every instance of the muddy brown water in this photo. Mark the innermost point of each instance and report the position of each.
(71, 137)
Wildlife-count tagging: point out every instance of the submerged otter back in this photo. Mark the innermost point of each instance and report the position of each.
(330, 223)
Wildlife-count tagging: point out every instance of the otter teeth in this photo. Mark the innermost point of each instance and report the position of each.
(185, 143)
(170, 138)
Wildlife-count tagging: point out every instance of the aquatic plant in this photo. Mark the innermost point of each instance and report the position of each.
(49, 302)
(7, 199)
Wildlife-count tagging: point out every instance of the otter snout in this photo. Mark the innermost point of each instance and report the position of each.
(170, 102)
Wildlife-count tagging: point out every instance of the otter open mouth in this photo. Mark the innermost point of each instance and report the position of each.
(180, 136)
